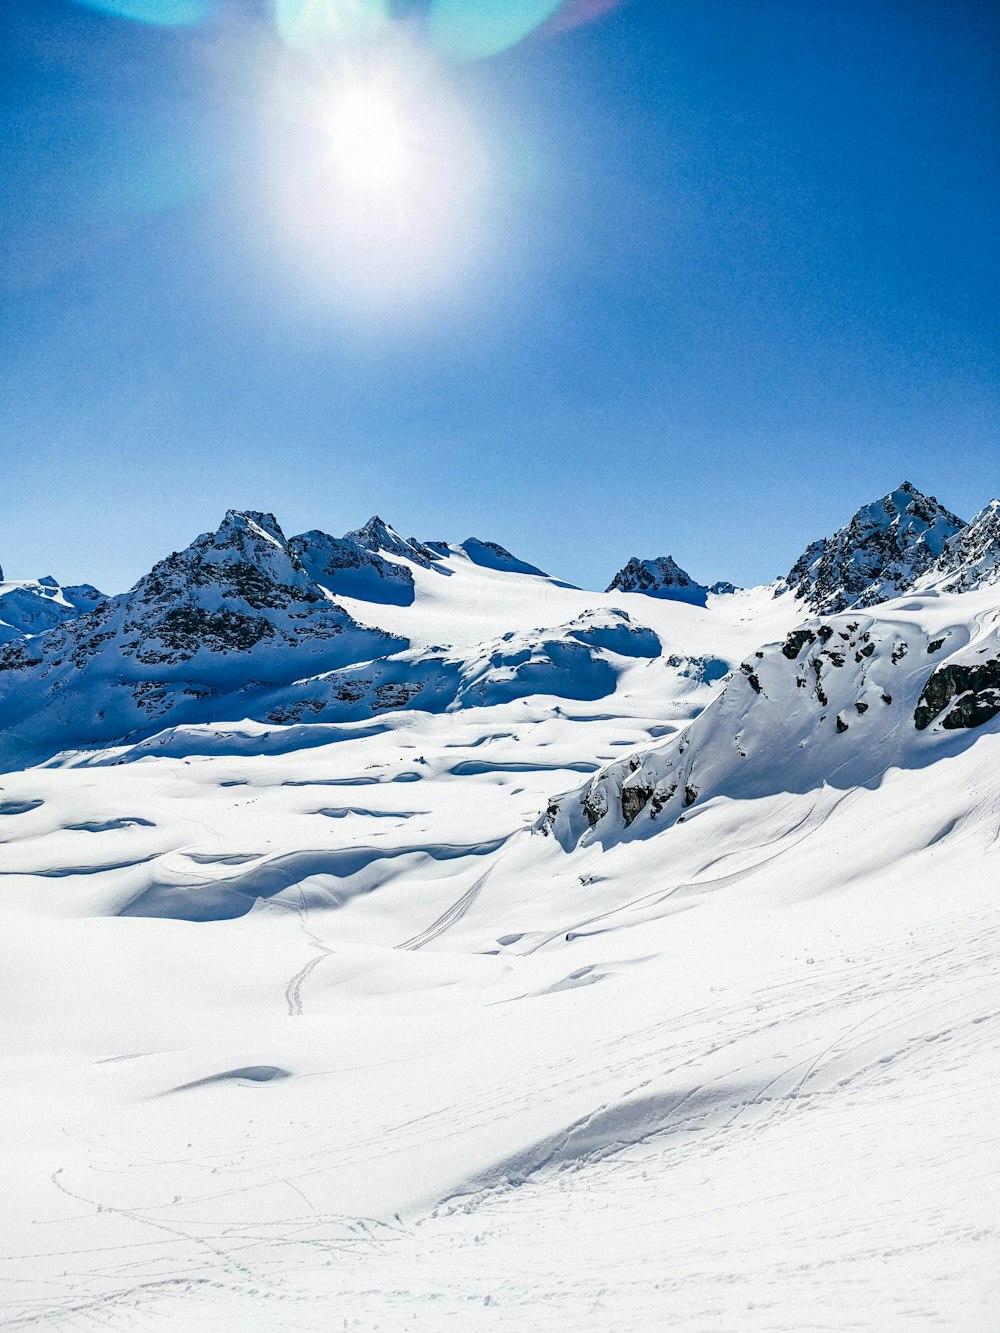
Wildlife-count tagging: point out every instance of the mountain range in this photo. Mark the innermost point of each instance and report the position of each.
(393, 932)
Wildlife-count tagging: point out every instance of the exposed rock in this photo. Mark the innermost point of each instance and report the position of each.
(661, 577)
(970, 692)
(882, 552)
(796, 641)
(634, 800)
(971, 558)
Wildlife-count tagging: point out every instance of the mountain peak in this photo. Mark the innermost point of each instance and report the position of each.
(888, 544)
(660, 576)
(378, 535)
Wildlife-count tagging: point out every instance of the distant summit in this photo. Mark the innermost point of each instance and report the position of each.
(377, 535)
(491, 555)
(234, 613)
(885, 548)
(32, 606)
(659, 577)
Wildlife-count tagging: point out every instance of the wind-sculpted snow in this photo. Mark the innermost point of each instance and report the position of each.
(491, 555)
(882, 552)
(840, 701)
(305, 1024)
(581, 659)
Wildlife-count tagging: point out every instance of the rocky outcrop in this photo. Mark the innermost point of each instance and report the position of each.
(960, 694)
(971, 558)
(659, 577)
(886, 547)
(378, 536)
(832, 703)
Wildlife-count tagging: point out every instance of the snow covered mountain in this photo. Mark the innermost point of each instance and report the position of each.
(248, 624)
(319, 1006)
(971, 557)
(32, 606)
(659, 577)
(885, 548)
(236, 613)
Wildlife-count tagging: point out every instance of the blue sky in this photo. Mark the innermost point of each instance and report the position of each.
(699, 277)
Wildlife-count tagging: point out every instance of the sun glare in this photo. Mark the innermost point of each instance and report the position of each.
(377, 179)
(370, 142)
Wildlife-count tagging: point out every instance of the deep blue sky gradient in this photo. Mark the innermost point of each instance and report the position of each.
(738, 274)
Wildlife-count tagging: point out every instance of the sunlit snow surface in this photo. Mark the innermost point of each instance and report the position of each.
(306, 1029)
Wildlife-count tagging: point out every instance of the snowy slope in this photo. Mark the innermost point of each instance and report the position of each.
(840, 701)
(310, 1022)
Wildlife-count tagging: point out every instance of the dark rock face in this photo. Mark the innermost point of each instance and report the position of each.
(970, 693)
(634, 801)
(885, 548)
(660, 577)
(796, 641)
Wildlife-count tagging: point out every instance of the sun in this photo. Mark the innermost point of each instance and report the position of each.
(371, 145)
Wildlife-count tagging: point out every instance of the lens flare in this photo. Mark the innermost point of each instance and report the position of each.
(477, 29)
(161, 13)
(315, 24)
(376, 179)
(370, 142)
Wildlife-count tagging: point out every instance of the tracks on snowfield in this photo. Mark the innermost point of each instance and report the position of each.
(448, 918)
